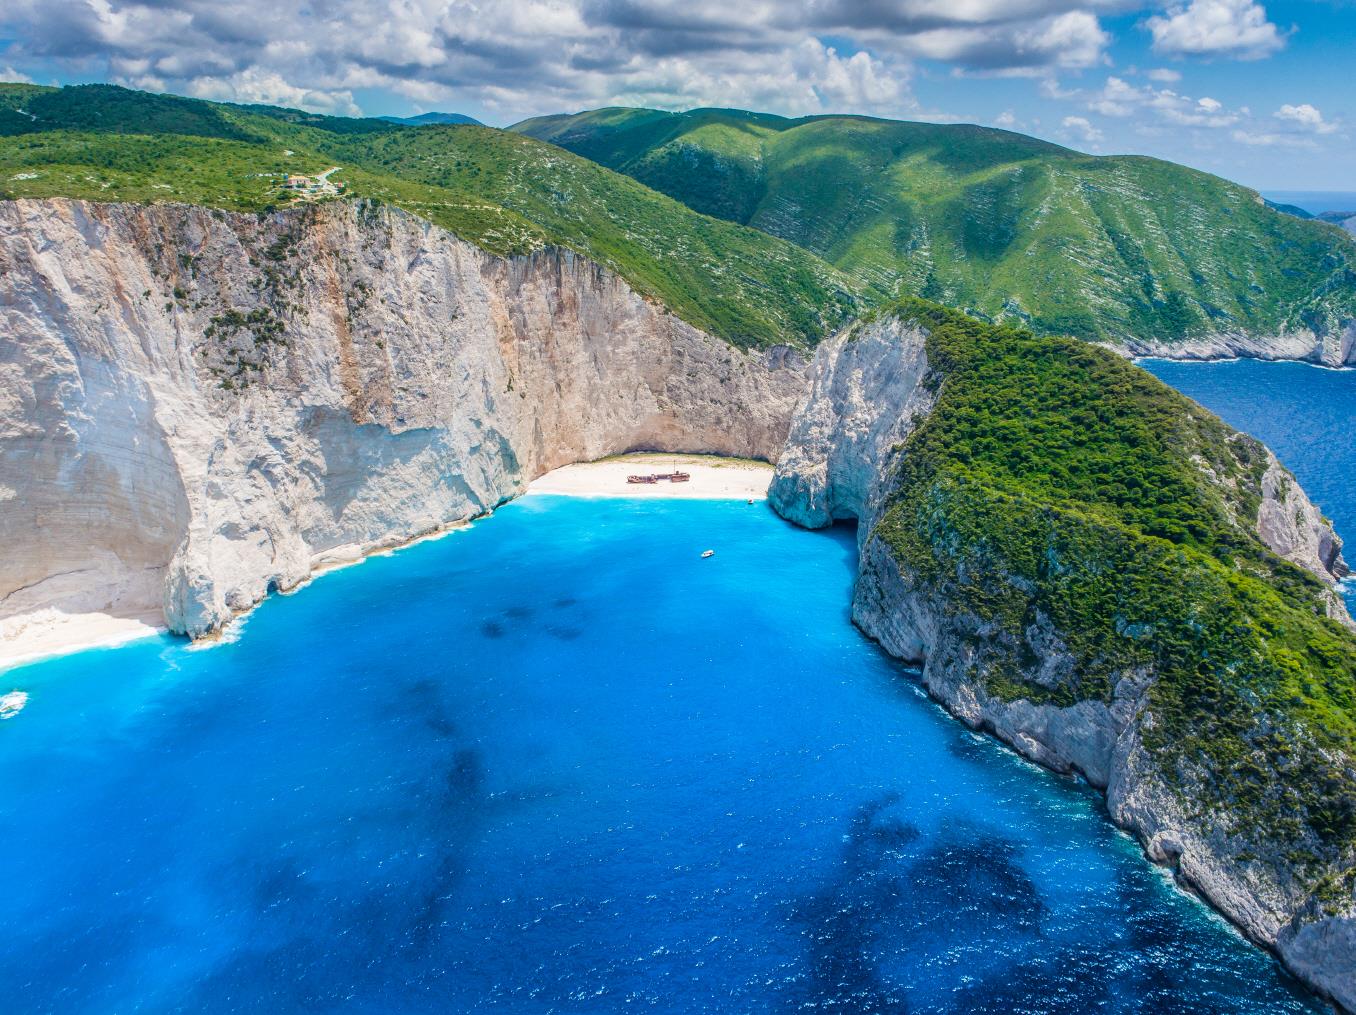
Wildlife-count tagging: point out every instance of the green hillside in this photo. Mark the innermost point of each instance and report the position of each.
(999, 224)
(507, 193)
(1055, 486)
(431, 119)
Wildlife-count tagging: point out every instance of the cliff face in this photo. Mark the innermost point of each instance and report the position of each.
(842, 438)
(196, 407)
(1332, 349)
(1102, 737)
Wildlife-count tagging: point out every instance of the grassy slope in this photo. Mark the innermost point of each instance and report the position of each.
(1054, 479)
(1001, 224)
(507, 193)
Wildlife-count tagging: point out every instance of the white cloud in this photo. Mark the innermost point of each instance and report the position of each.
(1118, 98)
(1237, 28)
(810, 78)
(253, 85)
(1071, 40)
(1306, 117)
(1262, 139)
(9, 74)
(1050, 89)
(516, 57)
(1082, 130)
(1164, 75)
(1121, 99)
(1005, 119)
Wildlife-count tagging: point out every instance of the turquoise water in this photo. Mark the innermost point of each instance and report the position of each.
(1304, 413)
(559, 763)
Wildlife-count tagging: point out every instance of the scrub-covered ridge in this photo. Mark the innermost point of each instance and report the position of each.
(1124, 249)
(1055, 488)
(1095, 568)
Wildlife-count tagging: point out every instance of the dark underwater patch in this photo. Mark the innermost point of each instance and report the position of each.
(969, 881)
(848, 918)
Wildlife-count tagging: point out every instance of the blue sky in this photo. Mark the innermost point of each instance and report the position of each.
(1258, 92)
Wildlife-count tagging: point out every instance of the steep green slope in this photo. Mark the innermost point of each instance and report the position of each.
(1059, 494)
(1005, 226)
(507, 193)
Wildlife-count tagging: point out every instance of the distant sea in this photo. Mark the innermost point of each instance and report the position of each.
(1315, 202)
(558, 762)
(1304, 413)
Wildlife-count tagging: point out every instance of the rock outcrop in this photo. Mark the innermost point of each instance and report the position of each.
(841, 440)
(1290, 523)
(839, 464)
(1329, 348)
(197, 407)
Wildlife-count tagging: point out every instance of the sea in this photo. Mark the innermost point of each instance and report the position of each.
(560, 762)
(1315, 202)
(1304, 413)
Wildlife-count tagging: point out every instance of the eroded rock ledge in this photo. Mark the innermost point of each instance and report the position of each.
(1330, 349)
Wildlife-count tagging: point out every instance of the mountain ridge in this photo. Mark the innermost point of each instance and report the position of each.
(1118, 249)
(430, 119)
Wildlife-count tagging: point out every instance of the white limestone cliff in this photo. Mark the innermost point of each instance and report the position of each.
(842, 439)
(197, 407)
(1331, 349)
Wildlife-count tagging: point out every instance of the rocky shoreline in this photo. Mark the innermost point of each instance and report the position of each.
(1328, 350)
(838, 465)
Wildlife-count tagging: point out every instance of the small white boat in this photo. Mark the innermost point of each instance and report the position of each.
(708, 553)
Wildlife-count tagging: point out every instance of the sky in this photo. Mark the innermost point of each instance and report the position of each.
(1258, 92)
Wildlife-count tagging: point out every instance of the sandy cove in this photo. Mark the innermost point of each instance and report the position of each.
(44, 633)
(712, 478)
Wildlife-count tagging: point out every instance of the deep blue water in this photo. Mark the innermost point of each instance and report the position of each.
(1315, 202)
(1304, 413)
(558, 762)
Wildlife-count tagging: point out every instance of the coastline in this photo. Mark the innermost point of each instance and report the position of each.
(1139, 360)
(713, 478)
(47, 633)
(44, 634)
(1335, 351)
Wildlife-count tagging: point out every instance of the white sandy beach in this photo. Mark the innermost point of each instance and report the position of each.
(43, 633)
(713, 478)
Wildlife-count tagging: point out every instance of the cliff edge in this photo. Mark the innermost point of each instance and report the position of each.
(197, 407)
(1112, 581)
